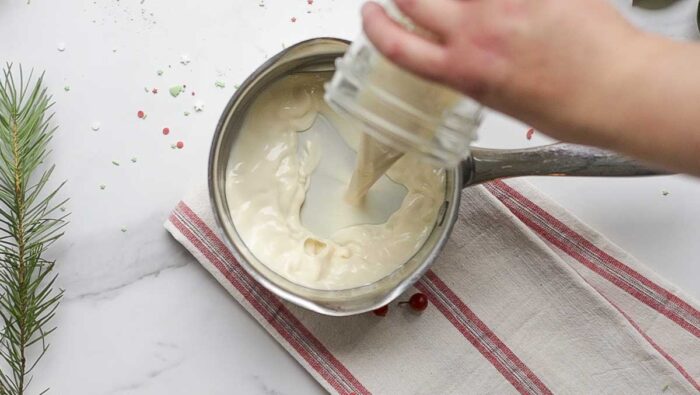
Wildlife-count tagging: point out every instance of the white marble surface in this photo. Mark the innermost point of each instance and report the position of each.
(140, 316)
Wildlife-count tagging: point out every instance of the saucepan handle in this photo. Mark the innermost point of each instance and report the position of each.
(550, 160)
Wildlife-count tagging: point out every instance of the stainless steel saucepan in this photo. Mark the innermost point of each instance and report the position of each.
(483, 165)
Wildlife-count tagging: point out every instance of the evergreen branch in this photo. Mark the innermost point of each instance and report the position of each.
(28, 225)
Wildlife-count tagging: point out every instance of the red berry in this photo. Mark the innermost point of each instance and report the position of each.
(417, 301)
(180, 144)
(140, 114)
(155, 90)
(382, 311)
(166, 131)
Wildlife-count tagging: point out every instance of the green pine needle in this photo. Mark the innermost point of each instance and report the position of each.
(29, 224)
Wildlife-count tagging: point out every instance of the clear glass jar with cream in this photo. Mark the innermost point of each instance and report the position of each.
(400, 109)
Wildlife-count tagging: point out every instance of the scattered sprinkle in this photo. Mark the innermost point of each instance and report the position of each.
(187, 113)
(236, 86)
(310, 1)
(184, 59)
(123, 229)
(176, 90)
(61, 47)
(665, 388)
(103, 186)
(173, 146)
(219, 84)
(66, 88)
(145, 89)
(63, 209)
(193, 93)
(529, 134)
(141, 114)
(294, 19)
(665, 193)
(166, 131)
(180, 145)
(133, 160)
(115, 163)
(154, 91)
(95, 126)
(199, 106)
(159, 72)
(114, 50)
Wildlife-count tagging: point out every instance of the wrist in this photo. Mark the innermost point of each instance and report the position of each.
(605, 108)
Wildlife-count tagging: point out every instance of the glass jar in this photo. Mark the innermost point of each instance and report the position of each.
(400, 109)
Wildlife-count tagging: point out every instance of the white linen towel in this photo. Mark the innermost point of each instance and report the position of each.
(524, 299)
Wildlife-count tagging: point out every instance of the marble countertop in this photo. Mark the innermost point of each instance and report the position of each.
(139, 315)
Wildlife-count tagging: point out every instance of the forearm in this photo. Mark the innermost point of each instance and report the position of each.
(647, 106)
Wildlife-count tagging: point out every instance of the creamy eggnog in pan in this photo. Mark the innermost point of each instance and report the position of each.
(292, 153)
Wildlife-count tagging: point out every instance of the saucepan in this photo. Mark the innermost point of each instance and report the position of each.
(318, 55)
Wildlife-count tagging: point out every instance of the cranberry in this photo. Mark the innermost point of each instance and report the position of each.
(417, 301)
(382, 311)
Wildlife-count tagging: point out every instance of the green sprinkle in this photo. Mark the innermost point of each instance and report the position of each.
(220, 84)
(66, 88)
(145, 88)
(665, 388)
(236, 86)
(115, 163)
(133, 160)
(176, 90)
(159, 72)
(173, 146)
(187, 113)
(103, 186)
(123, 229)
(664, 193)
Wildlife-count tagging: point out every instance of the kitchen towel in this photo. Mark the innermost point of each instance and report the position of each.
(523, 299)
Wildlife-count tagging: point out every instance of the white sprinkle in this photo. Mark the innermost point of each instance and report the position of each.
(665, 193)
(95, 126)
(103, 186)
(123, 229)
(199, 106)
(184, 59)
(61, 47)
(133, 160)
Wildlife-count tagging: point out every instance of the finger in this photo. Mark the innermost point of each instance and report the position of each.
(406, 49)
(438, 16)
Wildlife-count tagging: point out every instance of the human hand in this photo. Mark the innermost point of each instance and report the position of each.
(549, 63)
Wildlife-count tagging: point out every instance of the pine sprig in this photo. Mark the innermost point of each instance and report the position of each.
(29, 224)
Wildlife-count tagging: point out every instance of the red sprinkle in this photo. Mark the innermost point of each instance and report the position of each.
(166, 131)
(294, 19)
(180, 145)
(310, 1)
(192, 93)
(529, 134)
(154, 91)
(140, 114)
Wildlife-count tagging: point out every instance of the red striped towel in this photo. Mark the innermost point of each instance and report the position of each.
(524, 298)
